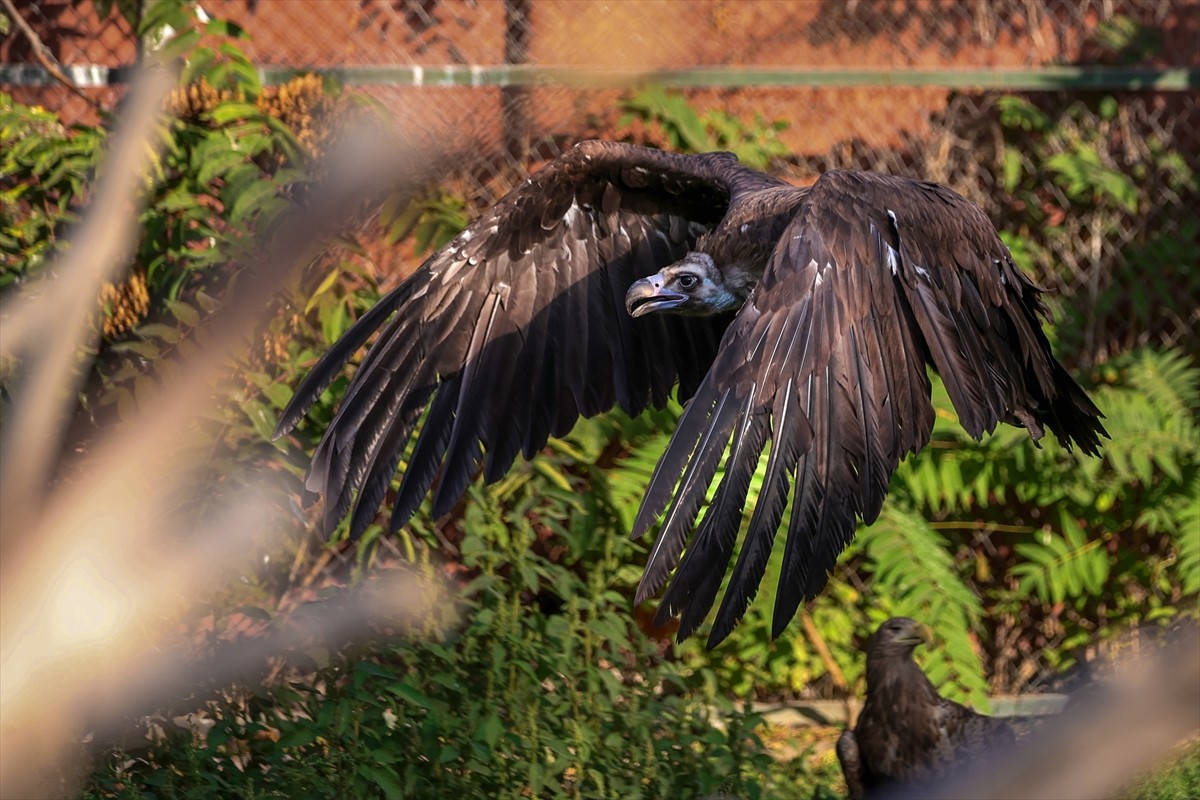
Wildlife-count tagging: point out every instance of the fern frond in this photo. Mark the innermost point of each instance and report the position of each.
(1185, 535)
(1169, 378)
(1062, 566)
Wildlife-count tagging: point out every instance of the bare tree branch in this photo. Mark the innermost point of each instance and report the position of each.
(42, 53)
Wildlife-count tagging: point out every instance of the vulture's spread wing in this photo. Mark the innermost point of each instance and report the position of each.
(515, 328)
(874, 277)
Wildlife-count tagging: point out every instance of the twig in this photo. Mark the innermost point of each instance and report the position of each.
(814, 636)
(989, 527)
(42, 53)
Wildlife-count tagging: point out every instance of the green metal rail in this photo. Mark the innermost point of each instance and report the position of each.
(1050, 78)
(1043, 78)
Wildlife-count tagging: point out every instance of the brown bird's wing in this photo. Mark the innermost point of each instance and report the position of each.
(967, 734)
(874, 277)
(517, 327)
(852, 766)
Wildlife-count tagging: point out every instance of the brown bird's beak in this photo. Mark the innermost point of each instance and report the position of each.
(919, 634)
(648, 295)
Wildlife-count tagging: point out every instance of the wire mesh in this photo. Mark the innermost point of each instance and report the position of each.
(954, 137)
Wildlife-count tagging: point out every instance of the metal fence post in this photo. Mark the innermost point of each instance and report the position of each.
(514, 109)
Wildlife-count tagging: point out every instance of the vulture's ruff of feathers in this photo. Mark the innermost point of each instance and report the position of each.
(799, 322)
(907, 735)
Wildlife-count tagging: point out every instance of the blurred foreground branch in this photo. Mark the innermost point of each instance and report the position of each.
(97, 567)
(48, 324)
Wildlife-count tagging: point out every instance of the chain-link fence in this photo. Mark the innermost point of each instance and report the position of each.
(860, 95)
(949, 134)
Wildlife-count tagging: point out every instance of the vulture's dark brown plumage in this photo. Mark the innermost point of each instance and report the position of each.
(799, 318)
(907, 736)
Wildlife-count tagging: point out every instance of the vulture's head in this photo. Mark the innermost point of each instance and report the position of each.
(897, 638)
(693, 286)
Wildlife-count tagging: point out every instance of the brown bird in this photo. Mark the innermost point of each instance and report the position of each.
(799, 317)
(907, 735)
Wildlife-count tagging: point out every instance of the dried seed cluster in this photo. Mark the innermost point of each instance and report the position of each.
(124, 304)
(189, 103)
(303, 106)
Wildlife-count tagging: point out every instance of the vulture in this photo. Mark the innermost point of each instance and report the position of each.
(907, 735)
(796, 324)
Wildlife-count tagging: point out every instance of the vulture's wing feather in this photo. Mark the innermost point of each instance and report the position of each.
(517, 327)
(874, 277)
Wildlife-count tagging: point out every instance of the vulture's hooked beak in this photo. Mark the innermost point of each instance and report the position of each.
(648, 295)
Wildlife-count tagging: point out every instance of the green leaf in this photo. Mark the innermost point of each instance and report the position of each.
(326, 284)
(251, 199)
(216, 164)
(227, 28)
(234, 111)
(161, 14)
(1013, 168)
(157, 330)
(490, 730)
(184, 313)
(384, 778)
(297, 736)
(280, 394)
(406, 691)
(1017, 112)
(180, 44)
(206, 302)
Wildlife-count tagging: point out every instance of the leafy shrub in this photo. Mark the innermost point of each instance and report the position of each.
(1178, 779)
(1079, 182)
(572, 701)
(687, 130)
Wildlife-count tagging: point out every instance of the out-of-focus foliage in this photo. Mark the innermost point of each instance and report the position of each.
(431, 221)
(237, 154)
(1075, 173)
(534, 682)
(45, 169)
(686, 129)
(1179, 779)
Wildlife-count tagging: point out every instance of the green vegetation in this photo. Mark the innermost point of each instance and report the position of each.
(1077, 185)
(539, 679)
(1179, 779)
(688, 130)
(495, 699)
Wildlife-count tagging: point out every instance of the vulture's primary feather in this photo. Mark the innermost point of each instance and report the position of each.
(907, 736)
(796, 322)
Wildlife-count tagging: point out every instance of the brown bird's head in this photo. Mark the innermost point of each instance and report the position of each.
(897, 637)
(693, 286)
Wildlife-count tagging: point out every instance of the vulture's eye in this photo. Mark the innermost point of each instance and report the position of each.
(688, 281)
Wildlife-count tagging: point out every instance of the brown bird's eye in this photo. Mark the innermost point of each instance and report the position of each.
(688, 281)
